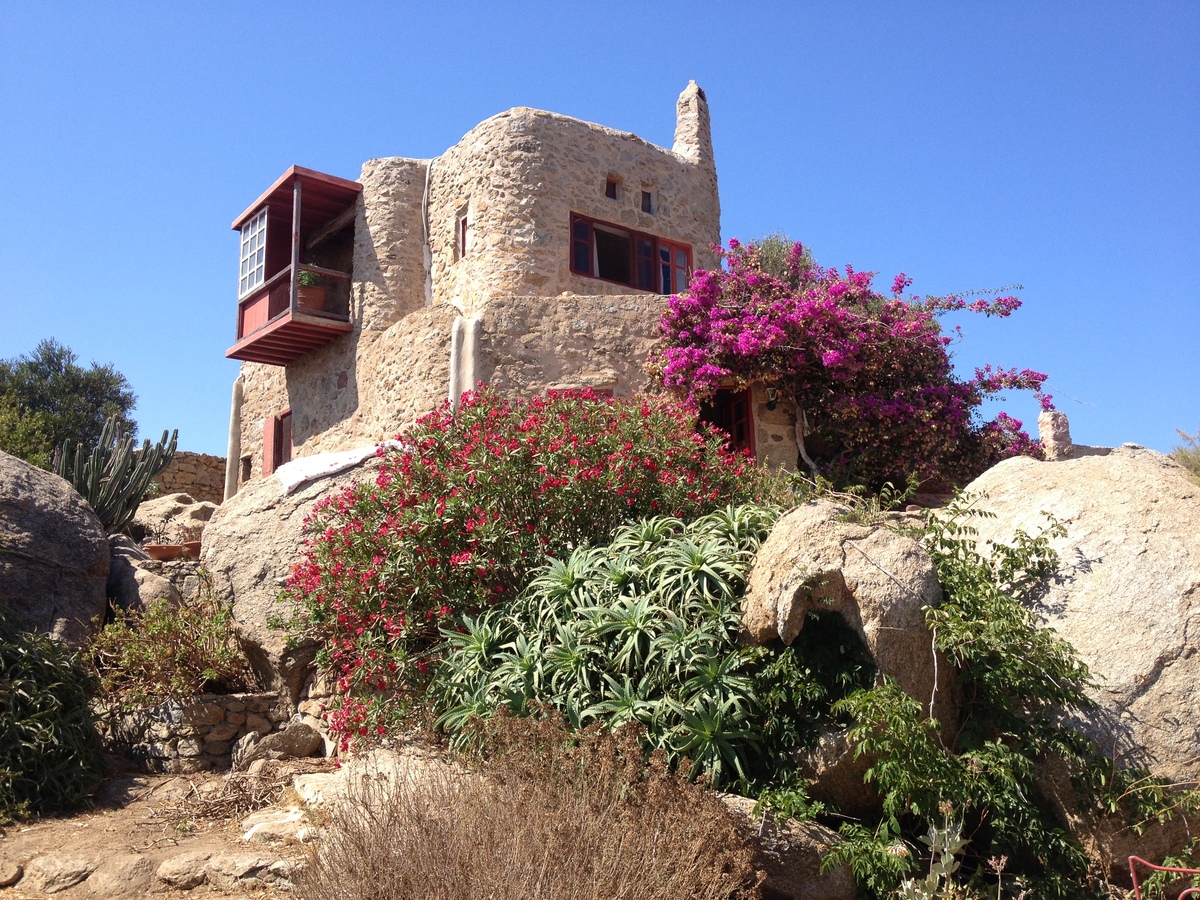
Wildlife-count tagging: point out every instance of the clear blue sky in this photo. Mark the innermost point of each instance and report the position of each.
(971, 145)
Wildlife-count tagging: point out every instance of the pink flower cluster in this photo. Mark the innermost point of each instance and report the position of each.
(871, 373)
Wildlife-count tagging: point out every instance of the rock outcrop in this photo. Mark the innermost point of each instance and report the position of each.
(1127, 597)
(250, 545)
(172, 519)
(54, 556)
(131, 587)
(791, 855)
(876, 580)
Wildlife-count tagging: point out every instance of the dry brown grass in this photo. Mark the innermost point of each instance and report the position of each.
(542, 818)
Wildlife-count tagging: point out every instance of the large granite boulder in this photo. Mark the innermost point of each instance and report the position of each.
(1127, 597)
(878, 581)
(53, 554)
(250, 544)
(171, 519)
(1128, 591)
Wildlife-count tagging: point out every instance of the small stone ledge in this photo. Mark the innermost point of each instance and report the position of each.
(192, 735)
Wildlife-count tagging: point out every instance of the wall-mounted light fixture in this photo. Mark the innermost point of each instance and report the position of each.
(772, 398)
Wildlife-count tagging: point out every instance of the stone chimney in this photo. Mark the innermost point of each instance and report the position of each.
(693, 133)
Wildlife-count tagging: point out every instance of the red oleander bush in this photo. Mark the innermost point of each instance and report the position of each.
(478, 498)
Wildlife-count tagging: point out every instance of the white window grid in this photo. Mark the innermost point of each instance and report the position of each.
(252, 269)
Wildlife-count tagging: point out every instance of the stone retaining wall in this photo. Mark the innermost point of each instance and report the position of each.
(198, 474)
(193, 735)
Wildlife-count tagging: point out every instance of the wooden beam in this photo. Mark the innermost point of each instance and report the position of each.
(295, 245)
(332, 227)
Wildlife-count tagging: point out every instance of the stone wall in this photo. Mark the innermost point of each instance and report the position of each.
(335, 405)
(198, 474)
(519, 176)
(775, 430)
(193, 735)
(529, 344)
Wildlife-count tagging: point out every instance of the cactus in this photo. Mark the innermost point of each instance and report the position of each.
(113, 478)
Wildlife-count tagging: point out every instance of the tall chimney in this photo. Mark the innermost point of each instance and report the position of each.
(693, 133)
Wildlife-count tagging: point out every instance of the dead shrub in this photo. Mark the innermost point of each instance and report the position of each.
(545, 814)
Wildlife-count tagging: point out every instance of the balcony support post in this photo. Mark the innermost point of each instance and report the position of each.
(295, 245)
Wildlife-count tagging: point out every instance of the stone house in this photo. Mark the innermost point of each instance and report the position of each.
(533, 254)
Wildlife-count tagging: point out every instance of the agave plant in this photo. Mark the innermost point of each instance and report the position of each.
(643, 630)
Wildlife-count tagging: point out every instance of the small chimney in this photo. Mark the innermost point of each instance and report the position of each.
(693, 133)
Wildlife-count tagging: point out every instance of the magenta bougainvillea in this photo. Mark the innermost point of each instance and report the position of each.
(876, 394)
(479, 497)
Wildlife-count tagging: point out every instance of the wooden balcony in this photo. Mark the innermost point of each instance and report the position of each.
(271, 331)
(307, 216)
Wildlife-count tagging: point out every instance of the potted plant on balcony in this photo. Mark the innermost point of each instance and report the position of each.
(309, 293)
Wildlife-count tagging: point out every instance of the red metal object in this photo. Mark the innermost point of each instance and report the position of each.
(1134, 861)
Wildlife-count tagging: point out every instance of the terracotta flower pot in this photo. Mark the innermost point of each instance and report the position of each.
(310, 297)
(163, 552)
(192, 549)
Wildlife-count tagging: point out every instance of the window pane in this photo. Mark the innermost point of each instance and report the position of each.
(582, 261)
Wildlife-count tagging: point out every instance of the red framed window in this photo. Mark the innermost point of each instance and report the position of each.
(277, 441)
(732, 412)
(623, 256)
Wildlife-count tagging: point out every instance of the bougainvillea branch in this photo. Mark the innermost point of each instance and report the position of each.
(876, 394)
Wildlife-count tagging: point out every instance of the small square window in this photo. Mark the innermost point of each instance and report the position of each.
(647, 202)
(610, 189)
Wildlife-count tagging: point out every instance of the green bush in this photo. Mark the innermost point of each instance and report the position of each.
(1020, 684)
(645, 630)
(50, 756)
(476, 500)
(169, 651)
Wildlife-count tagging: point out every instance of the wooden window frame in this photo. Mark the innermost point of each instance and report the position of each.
(252, 253)
(735, 400)
(583, 244)
(277, 441)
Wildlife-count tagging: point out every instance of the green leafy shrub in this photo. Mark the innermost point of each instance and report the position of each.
(456, 521)
(47, 398)
(1020, 683)
(169, 651)
(645, 631)
(555, 814)
(50, 755)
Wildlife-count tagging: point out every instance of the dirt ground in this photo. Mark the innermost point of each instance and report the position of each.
(156, 817)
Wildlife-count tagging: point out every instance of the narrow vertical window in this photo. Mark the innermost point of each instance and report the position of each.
(647, 202)
(253, 256)
(462, 233)
(610, 189)
(277, 441)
